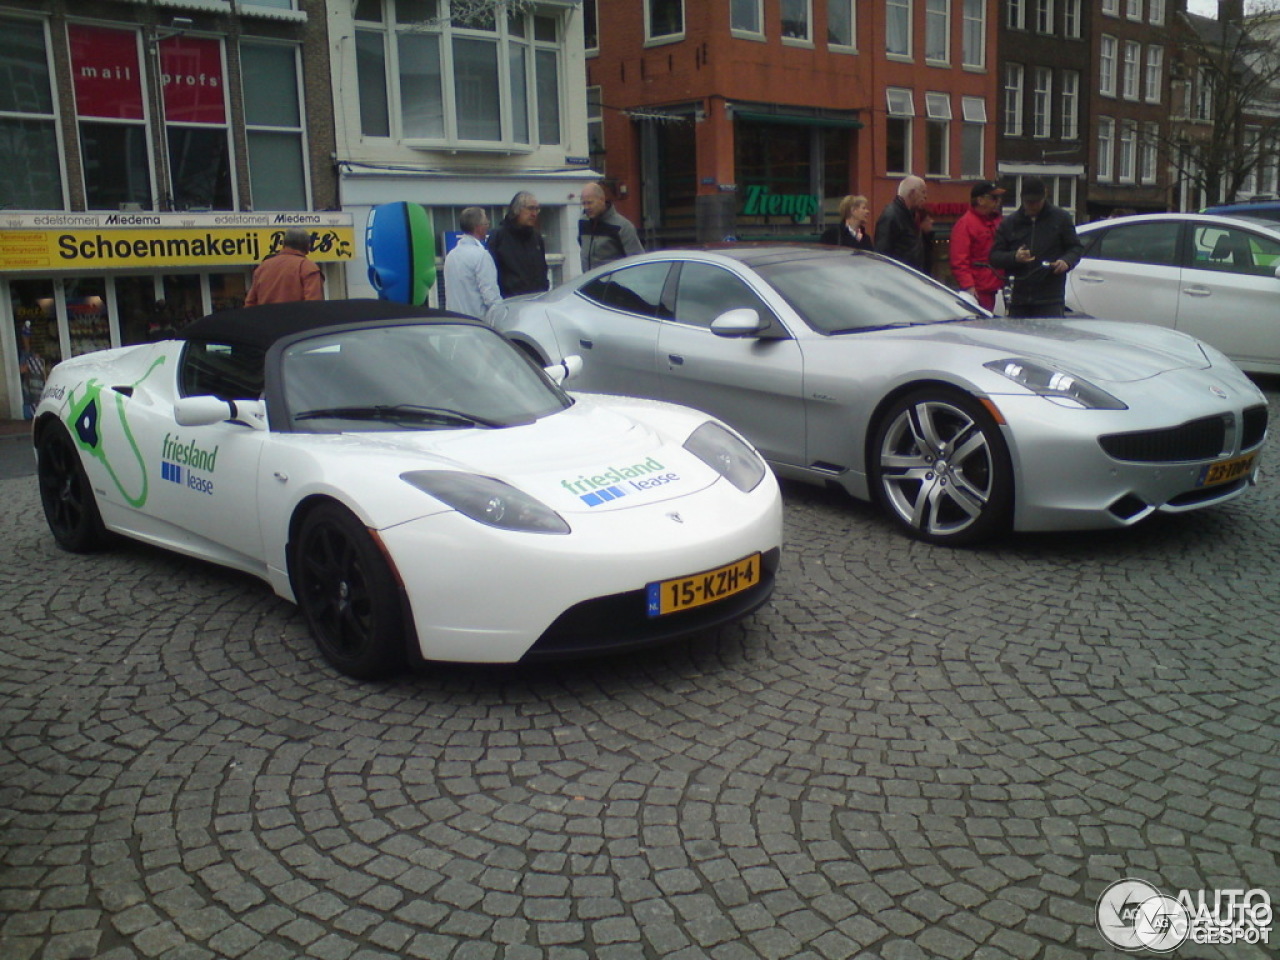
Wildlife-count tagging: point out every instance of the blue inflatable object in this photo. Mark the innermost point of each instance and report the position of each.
(400, 246)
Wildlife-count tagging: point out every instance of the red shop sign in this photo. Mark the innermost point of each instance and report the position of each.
(104, 69)
(194, 91)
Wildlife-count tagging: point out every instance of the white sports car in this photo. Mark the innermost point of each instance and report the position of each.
(412, 482)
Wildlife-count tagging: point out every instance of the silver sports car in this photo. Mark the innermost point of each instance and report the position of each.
(846, 368)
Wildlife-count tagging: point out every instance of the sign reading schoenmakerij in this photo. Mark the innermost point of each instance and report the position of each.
(1135, 915)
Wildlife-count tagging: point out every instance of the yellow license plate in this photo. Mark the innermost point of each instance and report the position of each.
(685, 593)
(1226, 470)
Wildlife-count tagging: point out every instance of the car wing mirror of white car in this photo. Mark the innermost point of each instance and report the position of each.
(566, 369)
(739, 322)
(203, 411)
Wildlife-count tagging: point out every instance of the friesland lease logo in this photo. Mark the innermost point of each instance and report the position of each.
(613, 483)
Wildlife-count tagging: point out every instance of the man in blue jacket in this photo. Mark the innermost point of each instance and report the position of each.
(1036, 245)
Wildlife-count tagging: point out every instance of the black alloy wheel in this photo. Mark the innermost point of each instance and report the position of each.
(65, 494)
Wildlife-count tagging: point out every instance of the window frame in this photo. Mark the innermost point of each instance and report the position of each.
(51, 121)
(1131, 70)
(1071, 19)
(905, 9)
(937, 26)
(1108, 65)
(796, 41)
(937, 109)
(652, 39)
(1044, 17)
(973, 115)
(907, 119)
(852, 45)
(1106, 149)
(1013, 94)
(1016, 15)
(1069, 98)
(1154, 62)
(1041, 103)
(1149, 153)
(1127, 152)
(300, 131)
(973, 27)
(747, 33)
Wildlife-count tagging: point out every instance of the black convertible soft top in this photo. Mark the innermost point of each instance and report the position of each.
(263, 325)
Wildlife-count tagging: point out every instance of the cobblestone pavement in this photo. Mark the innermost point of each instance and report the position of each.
(912, 752)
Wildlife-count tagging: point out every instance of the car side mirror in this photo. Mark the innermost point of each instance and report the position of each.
(206, 410)
(739, 322)
(566, 369)
(1278, 271)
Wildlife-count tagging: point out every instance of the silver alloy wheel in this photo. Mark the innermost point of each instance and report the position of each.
(937, 468)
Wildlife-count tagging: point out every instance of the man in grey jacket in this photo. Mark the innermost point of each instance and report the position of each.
(603, 233)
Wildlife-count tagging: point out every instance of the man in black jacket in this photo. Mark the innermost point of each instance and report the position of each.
(1036, 245)
(518, 250)
(904, 231)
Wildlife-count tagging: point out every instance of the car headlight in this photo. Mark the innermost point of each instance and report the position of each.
(726, 455)
(488, 500)
(1057, 385)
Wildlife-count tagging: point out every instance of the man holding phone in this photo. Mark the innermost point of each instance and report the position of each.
(1036, 245)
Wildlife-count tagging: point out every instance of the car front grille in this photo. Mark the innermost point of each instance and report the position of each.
(1203, 439)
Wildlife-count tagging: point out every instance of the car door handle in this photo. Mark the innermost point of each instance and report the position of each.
(1197, 291)
(1089, 278)
(586, 344)
(674, 358)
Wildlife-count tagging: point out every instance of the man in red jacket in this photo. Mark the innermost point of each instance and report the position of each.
(971, 240)
(287, 275)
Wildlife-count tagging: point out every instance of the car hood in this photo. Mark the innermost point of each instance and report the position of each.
(1100, 350)
(599, 455)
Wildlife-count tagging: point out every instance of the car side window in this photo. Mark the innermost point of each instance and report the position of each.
(636, 289)
(705, 291)
(1233, 251)
(223, 370)
(1153, 243)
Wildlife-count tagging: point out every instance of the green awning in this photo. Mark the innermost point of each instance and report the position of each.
(799, 119)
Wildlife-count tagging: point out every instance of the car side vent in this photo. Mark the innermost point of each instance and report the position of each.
(1255, 427)
(1196, 440)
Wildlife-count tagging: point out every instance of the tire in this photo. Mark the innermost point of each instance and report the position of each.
(941, 467)
(347, 594)
(70, 508)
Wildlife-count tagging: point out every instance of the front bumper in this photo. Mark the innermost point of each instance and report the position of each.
(483, 595)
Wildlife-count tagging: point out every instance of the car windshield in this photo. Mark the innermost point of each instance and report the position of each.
(435, 376)
(853, 294)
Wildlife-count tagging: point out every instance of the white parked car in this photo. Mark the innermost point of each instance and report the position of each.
(413, 482)
(1214, 277)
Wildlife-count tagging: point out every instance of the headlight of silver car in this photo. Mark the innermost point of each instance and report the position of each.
(726, 455)
(488, 500)
(1056, 385)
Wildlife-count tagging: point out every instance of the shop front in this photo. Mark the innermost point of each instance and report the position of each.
(72, 283)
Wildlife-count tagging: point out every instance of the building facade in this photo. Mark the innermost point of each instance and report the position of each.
(751, 119)
(451, 107)
(154, 153)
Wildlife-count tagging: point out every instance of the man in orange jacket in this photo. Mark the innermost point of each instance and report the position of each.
(287, 275)
(971, 240)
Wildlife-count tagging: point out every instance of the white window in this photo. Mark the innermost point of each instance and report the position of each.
(1016, 15)
(1133, 9)
(972, 137)
(663, 19)
(937, 30)
(746, 17)
(842, 24)
(1013, 99)
(898, 28)
(1111, 7)
(1044, 16)
(273, 126)
(1155, 11)
(1107, 66)
(1041, 101)
(1106, 147)
(1070, 101)
(29, 148)
(486, 81)
(1150, 151)
(797, 18)
(1204, 95)
(1071, 19)
(1132, 68)
(937, 134)
(1155, 74)
(902, 110)
(1128, 150)
(975, 33)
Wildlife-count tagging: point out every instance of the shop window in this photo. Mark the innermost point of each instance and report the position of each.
(35, 320)
(273, 126)
(28, 129)
(489, 81)
(88, 322)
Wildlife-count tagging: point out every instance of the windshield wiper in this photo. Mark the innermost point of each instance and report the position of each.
(900, 325)
(399, 412)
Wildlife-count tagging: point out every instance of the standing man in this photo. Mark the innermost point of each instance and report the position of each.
(1037, 245)
(904, 231)
(518, 249)
(603, 233)
(287, 274)
(470, 275)
(971, 240)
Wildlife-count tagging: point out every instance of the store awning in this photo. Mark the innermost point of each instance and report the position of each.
(798, 119)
